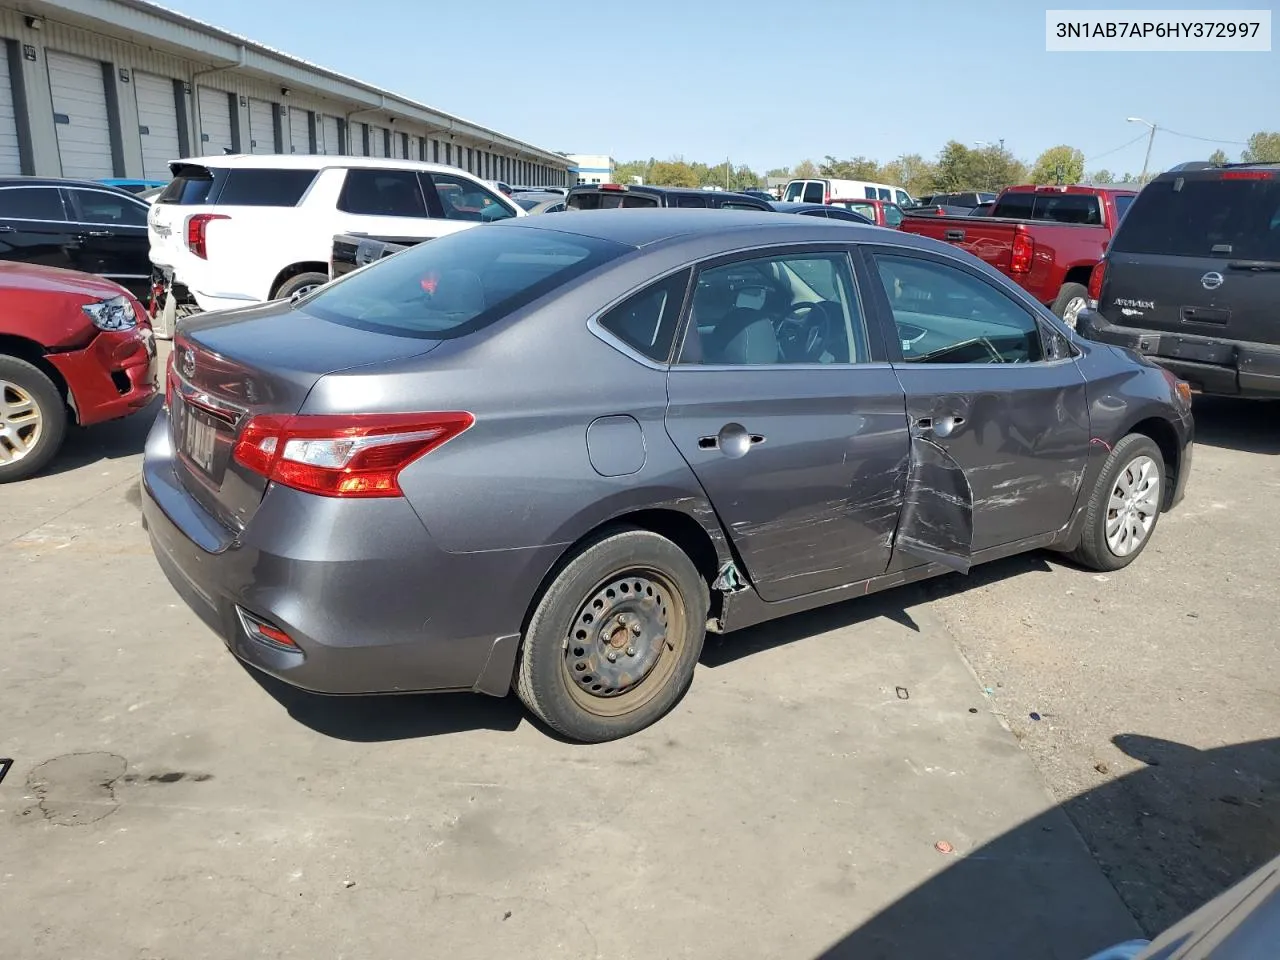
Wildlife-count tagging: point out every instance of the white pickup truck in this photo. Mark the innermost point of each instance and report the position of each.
(236, 230)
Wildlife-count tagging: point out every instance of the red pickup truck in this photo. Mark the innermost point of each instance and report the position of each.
(1046, 239)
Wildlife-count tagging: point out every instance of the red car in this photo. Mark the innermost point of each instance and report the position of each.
(73, 348)
(883, 213)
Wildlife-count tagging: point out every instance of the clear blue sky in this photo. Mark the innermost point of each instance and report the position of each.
(770, 83)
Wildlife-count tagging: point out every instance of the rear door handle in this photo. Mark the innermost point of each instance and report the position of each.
(99, 233)
(5, 228)
(938, 426)
(733, 440)
(953, 234)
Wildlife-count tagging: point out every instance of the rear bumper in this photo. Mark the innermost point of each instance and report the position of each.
(114, 376)
(1212, 364)
(371, 604)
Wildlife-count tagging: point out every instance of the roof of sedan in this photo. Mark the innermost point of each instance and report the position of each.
(639, 228)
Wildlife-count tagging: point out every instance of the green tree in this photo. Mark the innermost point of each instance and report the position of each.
(1102, 176)
(745, 177)
(805, 170)
(955, 169)
(1058, 165)
(1219, 158)
(858, 168)
(993, 168)
(1128, 178)
(779, 172)
(623, 172)
(673, 173)
(912, 172)
(1264, 147)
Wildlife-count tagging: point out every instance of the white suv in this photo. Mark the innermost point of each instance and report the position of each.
(236, 230)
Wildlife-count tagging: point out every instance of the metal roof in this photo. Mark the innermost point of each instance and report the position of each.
(149, 24)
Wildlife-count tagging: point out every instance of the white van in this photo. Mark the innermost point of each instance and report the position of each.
(828, 190)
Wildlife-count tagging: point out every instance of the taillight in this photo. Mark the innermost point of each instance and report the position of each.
(1248, 175)
(1096, 278)
(170, 382)
(197, 232)
(1023, 248)
(356, 455)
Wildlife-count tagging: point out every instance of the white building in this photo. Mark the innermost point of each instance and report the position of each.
(118, 88)
(591, 167)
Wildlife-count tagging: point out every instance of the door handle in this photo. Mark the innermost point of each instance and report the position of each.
(953, 234)
(5, 228)
(733, 440)
(938, 426)
(99, 233)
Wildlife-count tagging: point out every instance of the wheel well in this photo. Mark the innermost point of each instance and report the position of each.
(33, 353)
(1165, 437)
(1078, 275)
(680, 528)
(291, 271)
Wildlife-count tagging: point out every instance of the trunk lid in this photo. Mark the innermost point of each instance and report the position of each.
(230, 367)
(1199, 254)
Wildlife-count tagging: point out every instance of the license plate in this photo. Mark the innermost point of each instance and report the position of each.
(199, 436)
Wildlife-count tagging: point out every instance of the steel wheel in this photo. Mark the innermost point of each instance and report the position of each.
(624, 642)
(1133, 506)
(21, 422)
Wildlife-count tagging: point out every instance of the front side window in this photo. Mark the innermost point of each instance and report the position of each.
(903, 200)
(458, 283)
(785, 309)
(945, 315)
(32, 203)
(99, 206)
(382, 193)
(463, 199)
(892, 215)
(794, 191)
(646, 321)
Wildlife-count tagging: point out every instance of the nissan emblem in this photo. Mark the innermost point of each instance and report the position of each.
(1211, 280)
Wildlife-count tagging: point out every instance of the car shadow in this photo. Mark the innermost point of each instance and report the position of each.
(113, 440)
(1184, 827)
(378, 719)
(1245, 425)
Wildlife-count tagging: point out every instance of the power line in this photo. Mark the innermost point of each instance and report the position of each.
(1242, 143)
(1118, 149)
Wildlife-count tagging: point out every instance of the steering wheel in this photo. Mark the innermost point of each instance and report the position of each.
(803, 333)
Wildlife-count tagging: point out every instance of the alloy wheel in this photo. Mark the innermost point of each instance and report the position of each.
(21, 422)
(1133, 506)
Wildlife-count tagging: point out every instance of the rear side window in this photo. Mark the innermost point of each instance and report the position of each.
(382, 193)
(884, 194)
(689, 200)
(813, 192)
(646, 321)
(459, 283)
(265, 188)
(32, 203)
(1205, 217)
(1016, 206)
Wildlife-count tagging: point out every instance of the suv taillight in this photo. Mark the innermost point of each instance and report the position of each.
(1023, 248)
(1096, 278)
(344, 455)
(197, 232)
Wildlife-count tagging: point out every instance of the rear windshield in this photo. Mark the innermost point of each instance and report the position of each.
(457, 284)
(610, 200)
(1054, 207)
(1205, 217)
(190, 185)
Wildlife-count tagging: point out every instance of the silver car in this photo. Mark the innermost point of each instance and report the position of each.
(553, 452)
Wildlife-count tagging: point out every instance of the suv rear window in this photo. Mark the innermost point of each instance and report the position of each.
(1205, 217)
(265, 188)
(190, 185)
(458, 283)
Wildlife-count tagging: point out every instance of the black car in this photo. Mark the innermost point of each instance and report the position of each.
(79, 225)
(1192, 278)
(605, 196)
(821, 210)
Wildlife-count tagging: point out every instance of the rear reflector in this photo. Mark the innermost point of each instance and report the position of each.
(356, 455)
(259, 629)
(1023, 248)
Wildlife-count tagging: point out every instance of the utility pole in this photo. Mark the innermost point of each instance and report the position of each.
(1150, 140)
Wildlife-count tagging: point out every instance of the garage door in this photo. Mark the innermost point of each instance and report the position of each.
(328, 129)
(157, 124)
(300, 130)
(262, 127)
(377, 141)
(415, 148)
(215, 122)
(80, 116)
(10, 161)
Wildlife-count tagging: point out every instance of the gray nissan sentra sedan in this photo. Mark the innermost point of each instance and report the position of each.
(553, 452)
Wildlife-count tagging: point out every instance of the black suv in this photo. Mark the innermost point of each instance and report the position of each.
(77, 225)
(1192, 278)
(607, 196)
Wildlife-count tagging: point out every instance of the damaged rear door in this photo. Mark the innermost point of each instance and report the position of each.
(792, 423)
(996, 405)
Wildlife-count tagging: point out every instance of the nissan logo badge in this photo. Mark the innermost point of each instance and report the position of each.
(188, 363)
(1211, 280)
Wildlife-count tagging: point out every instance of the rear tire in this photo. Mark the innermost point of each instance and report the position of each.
(1127, 499)
(630, 595)
(33, 419)
(304, 282)
(1072, 298)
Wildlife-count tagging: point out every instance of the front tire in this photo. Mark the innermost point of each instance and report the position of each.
(33, 419)
(612, 644)
(1072, 298)
(1123, 509)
